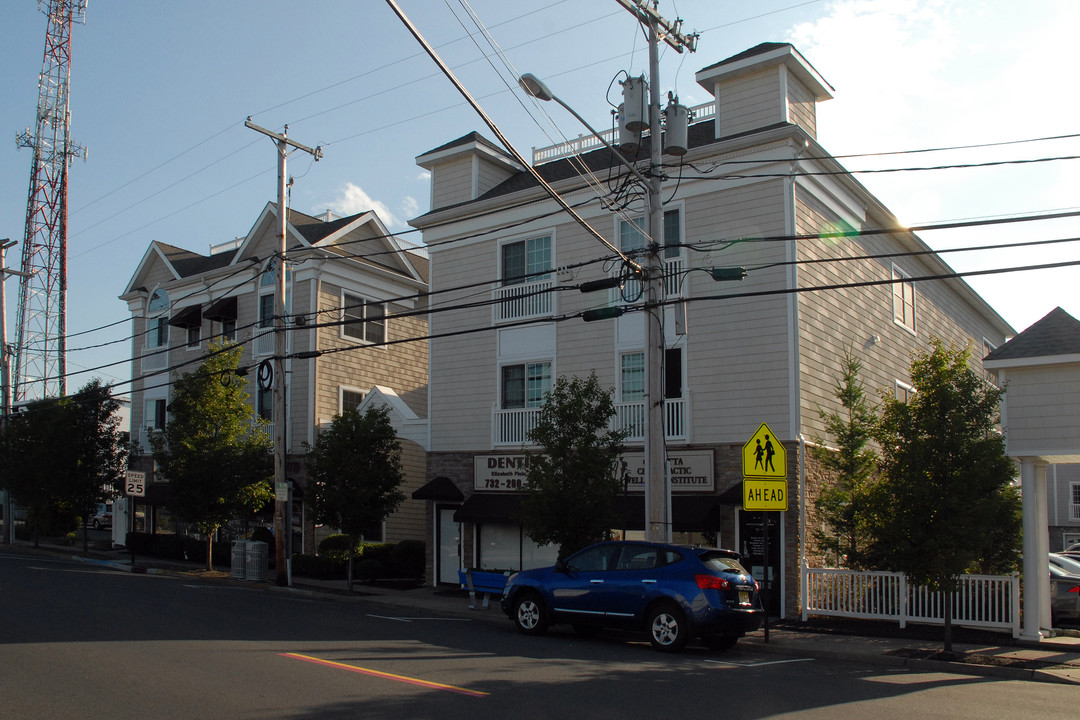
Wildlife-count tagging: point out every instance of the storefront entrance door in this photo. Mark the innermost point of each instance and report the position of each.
(448, 560)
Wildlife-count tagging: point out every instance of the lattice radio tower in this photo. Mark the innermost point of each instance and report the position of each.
(40, 343)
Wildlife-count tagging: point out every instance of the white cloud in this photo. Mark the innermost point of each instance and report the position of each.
(425, 176)
(410, 207)
(353, 199)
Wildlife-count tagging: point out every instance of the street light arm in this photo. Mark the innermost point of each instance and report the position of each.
(536, 87)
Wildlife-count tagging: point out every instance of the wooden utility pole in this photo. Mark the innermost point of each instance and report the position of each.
(657, 482)
(282, 524)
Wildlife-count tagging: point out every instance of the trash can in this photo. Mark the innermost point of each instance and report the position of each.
(256, 562)
(239, 559)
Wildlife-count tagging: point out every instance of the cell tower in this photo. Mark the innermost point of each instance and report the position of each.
(40, 344)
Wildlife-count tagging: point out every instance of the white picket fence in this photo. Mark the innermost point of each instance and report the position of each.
(982, 601)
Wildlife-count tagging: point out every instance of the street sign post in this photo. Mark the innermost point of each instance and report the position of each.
(764, 463)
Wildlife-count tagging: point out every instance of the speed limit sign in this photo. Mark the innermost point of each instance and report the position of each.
(135, 483)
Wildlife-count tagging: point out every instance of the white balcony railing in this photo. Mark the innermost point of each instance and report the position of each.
(511, 427)
(674, 269)
(523, 300)
(586, 143)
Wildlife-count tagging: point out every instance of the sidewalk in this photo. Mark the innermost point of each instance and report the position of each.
(993, 655)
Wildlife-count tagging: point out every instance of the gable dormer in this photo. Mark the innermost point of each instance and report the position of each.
(465, 169)
(765, 85)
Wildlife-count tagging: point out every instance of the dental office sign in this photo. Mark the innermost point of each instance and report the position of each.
(690, 471)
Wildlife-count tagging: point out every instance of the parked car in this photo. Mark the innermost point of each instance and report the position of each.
(1064, 594)
(1067, 563)
(1073, 549)
(102, 517)
(673, 592)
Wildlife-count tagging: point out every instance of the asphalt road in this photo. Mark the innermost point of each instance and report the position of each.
(79, 640)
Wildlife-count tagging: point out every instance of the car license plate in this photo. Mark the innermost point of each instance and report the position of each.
(744, 598)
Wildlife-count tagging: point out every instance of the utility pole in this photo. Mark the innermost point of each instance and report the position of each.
(5, 381)
(657, 482)
(282, 524)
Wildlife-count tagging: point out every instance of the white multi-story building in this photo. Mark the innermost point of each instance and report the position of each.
(756, 191)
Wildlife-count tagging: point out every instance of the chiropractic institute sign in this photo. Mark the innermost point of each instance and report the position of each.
(690, 471)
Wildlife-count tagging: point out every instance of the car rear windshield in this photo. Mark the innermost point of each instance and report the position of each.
(722, 563)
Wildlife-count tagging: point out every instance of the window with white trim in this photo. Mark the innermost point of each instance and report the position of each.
(1074, 513)
(526, 260)
(903, 293)
(524, 385)
(632, 377)
(264, 404)
(227, 330)
(362, 320)
(632, 234)
(904, 392)
(194, 337)
(349, 399)
(156, 413)
(157, 324)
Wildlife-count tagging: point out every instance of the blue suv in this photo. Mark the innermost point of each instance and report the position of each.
(674, 592)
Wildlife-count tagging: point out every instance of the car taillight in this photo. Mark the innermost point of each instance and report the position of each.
(1074, 589)
(712, 582)
(757, 586)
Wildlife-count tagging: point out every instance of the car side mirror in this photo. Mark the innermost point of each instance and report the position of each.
(560, 565)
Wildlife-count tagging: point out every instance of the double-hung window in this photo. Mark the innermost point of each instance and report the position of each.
(903, 299)
(632, 377)
(350, 399)
(1074, 515)
(632, 238)
(526, 260)
(524, 385)
(362, 320)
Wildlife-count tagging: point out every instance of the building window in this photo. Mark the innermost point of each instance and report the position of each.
(156, 413)
(903, 299)
(632, 377)
(526, 260)
(227, 330)
(264, 404)
(266, 311)
(632, 234)
(350, 399)
(194, 336)
(1074, 515)
(904, 392)
(157, 332)
(525, 385)
(362, 319)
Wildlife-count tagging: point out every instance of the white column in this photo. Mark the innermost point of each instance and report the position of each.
(1042, 531)
(1031, 590)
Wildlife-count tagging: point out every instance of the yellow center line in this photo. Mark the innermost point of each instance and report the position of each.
(385, 675)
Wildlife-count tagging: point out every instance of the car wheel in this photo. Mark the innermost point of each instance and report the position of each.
(668, 630)
(529, 614)
(720, 642)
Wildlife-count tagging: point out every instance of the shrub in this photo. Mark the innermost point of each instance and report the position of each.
(318, 566)
(408, 559)
(366, 568)
(335, 546)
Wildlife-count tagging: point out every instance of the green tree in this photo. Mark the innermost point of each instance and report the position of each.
(945, 503)
(572, 486)
(218, 464)
(62, 456)
(98, 453)
(355, 474)
(843, 500)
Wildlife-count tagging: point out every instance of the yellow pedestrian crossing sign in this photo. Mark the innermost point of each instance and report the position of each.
(763, 456)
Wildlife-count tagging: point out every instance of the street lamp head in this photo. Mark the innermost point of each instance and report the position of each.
(535, 87)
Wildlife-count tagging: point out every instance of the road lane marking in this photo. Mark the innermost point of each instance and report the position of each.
(386, 675)
(759, 664)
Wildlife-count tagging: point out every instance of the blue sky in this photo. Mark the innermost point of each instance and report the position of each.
(160, 91)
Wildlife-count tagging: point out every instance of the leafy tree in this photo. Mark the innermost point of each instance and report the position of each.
(99, 453)
(60, 457)
(946, 503)
(355, 474)
(218, 464)
(572, 485)
(843, 501)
